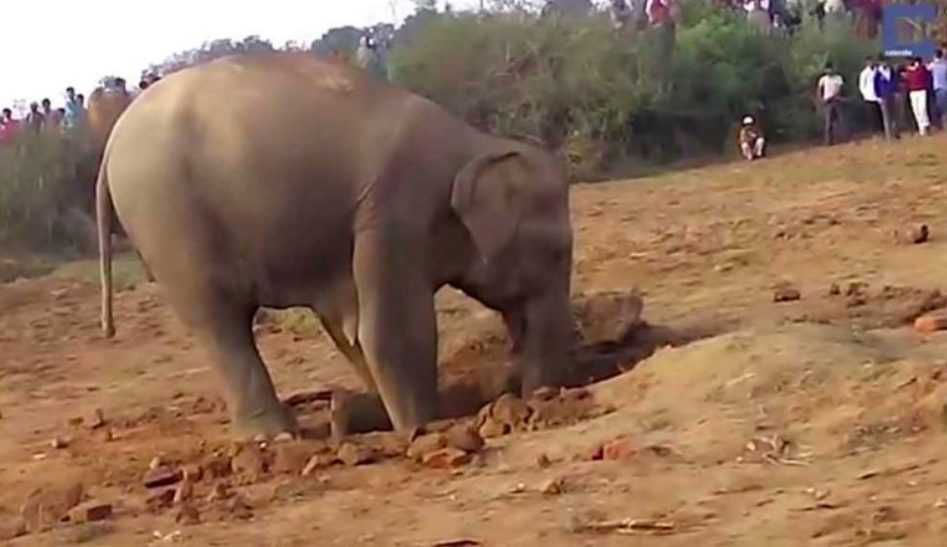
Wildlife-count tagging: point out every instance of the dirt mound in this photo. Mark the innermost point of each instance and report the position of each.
(832, 387)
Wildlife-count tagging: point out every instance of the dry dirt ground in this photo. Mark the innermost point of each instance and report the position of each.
(817, 421)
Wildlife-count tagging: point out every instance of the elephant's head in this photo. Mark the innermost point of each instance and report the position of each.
(514, 204)
(104, 108)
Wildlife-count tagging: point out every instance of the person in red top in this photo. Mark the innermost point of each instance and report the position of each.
(917, 80)
(8, 127)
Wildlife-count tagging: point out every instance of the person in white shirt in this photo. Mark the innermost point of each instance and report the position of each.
(830, 96)
(834, 7)
(866, 86)
(938, 70)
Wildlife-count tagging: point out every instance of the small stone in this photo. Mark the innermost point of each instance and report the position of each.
(545, 393)
(239, 508)
(786, 294)
(553, 487)
(161, 499)
(594, 454)
(59, 443)
(835, 290)
(92, 511)
(187, 515)
(543, 461)
(492, 429)
(446, 458)
(386, 444)
(161, 476)
(217, 467)
(931, 323)
(426, 444)
(576, 394)
(46, 506)
(318, 461)
(248, 462)
(96, 420)
(353, 454)
(184, 492)
(607, 316)
(306, 397)
(156, 462)
(510, 410)
(219, 491)
(856, 288)
(915, 235)
(192, 473)
(465, 438)
(291, 457)
(618, 449)
(284, 438)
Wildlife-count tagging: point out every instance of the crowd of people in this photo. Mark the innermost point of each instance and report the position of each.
(71, 117)
(889, 93)
(43, 117)
(769, 16)
(893, 95)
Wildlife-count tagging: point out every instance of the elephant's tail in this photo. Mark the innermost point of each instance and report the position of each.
(104, 214)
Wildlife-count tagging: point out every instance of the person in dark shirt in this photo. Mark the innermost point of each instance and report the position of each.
(35, 119)
(886, 88)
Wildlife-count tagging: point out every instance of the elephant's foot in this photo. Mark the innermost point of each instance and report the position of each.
(265, 424)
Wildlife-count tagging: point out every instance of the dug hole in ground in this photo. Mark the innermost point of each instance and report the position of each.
(774, 392)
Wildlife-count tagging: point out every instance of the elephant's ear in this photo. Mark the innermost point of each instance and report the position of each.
(488, 198)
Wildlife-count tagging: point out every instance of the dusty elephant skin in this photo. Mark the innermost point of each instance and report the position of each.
(282, 180)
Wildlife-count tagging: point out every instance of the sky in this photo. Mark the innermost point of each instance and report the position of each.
(52, 44)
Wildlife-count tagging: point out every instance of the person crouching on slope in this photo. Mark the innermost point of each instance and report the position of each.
(752, 142)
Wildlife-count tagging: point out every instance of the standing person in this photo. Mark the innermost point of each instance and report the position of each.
(886, 88)
(620, 14)
(758, 15)
(75, 110)
(35, 119)
(369, 58)
(866, 86)
(830, 96)
(51, 119)
(8, 127)
(916, 77)
(938, 69)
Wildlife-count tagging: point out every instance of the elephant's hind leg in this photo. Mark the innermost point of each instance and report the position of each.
(225, 328)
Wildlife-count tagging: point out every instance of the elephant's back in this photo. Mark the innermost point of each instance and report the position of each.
(256, 150)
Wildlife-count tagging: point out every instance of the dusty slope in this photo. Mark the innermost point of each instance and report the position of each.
(816, 422)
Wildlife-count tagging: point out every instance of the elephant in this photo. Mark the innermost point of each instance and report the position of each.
(281, 179)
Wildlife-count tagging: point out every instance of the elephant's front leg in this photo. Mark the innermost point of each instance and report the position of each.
(397, 327)
(352, 353)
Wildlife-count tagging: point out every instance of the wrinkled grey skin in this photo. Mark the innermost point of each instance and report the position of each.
(281, 180)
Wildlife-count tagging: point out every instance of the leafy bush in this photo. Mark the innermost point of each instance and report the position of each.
(577, 78)
(40, 194)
